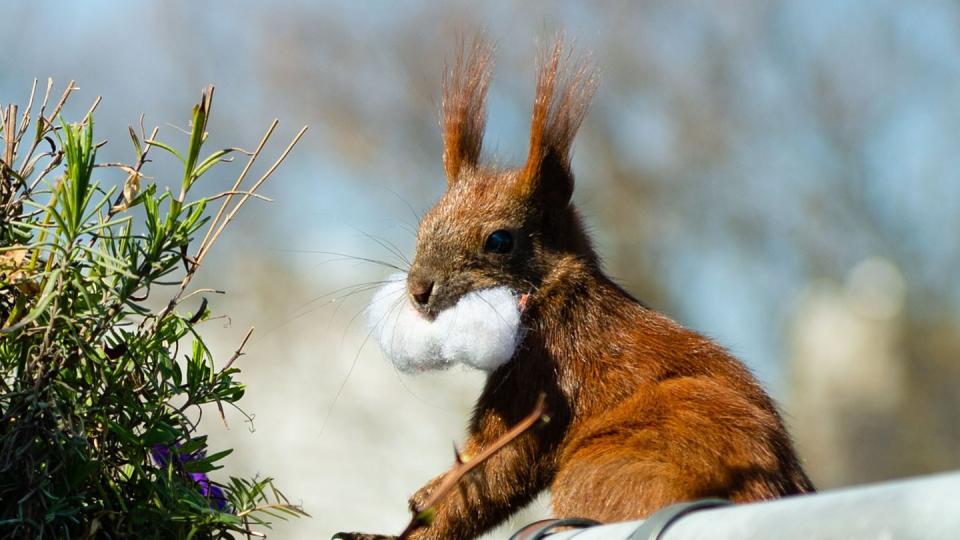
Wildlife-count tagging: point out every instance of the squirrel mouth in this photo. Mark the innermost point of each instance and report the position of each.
(482, 329)
(430, 312)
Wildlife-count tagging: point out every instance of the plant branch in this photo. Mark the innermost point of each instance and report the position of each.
(464, 465)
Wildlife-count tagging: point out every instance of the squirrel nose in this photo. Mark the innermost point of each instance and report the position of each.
(421, 291)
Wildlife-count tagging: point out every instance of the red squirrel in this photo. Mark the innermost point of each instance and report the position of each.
(643, 412)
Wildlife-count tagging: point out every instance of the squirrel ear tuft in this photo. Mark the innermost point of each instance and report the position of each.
(565, 86)
(464, 106)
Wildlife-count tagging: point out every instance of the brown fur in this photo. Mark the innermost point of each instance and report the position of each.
(464, 108)
(644, 412)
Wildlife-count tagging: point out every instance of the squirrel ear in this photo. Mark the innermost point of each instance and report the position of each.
(464, 107)
(564, 90)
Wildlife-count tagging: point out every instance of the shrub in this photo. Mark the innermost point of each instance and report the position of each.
(103, 375)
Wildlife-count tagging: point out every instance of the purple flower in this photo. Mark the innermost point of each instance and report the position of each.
(163, 456)
(211, 491)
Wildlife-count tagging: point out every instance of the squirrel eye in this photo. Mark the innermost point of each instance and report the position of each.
(499, 242)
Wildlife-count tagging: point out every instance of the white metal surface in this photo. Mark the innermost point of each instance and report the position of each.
(925, 508)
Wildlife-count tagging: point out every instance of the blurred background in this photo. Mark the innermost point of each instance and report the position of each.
(781, 176)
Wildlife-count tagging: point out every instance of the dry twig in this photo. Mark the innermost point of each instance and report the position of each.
(464, 465)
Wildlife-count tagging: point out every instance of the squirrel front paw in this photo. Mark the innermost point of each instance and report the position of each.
(362, 536)
(418, 501)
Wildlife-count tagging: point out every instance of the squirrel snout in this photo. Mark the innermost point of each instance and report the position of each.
(421, 291)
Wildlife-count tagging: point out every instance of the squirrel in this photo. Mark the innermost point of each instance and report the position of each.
(643, 412)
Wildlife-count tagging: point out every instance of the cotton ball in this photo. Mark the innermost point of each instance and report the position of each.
(482, 330)
(406, 338)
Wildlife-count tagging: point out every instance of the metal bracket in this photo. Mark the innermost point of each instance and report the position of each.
(654, 526)
(540, 529)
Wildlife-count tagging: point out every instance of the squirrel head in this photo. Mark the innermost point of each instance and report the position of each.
(502, 227)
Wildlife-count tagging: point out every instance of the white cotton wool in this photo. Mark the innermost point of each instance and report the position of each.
(482, 330)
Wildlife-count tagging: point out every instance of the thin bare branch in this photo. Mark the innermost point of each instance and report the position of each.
(240, 192)
(239, 352)
(47, 123)
(253, 189)
(25, 120)
(237, 183)
(464, 464)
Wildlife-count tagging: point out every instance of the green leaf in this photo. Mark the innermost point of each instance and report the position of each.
(159, 434)
(123, 433)
(194, 445)
(46, 297)
(212, 160)
(166, 147)
(137, 148)
(205, 465)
